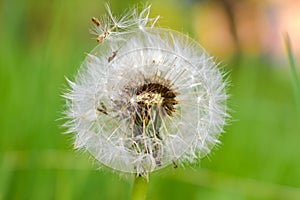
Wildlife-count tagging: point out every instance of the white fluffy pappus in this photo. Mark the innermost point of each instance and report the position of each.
(145, 97)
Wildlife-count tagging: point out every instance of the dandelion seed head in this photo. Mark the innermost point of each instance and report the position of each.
(145, 97)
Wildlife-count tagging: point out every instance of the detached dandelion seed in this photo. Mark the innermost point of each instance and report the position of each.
(145, 97)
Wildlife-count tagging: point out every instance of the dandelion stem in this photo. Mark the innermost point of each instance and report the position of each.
(140, 188)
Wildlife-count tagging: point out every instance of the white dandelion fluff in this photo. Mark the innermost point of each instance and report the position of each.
(145, 97)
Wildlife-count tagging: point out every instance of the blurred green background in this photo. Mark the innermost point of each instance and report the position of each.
(41, 42)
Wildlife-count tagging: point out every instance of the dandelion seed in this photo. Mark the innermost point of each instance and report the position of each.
(96, 21)
(145, 97)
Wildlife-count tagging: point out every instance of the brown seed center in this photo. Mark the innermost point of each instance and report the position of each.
(154, 94)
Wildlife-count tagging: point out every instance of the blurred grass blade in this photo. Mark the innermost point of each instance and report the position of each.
(6, 175)
(237, 185)
(295, 75)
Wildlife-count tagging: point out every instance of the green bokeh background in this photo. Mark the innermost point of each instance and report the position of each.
(41, 42)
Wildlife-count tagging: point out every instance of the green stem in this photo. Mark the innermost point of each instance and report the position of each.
(140, 188)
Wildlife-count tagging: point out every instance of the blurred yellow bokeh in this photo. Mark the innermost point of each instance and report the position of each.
(253, 27)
